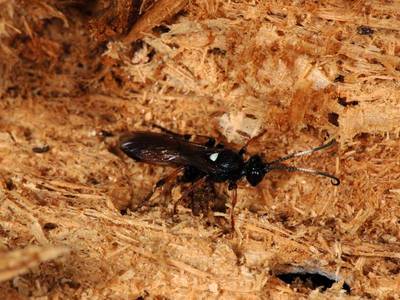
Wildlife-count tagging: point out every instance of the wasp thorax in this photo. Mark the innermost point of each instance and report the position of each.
(227, 159)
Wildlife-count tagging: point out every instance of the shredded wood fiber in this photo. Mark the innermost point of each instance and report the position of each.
(74, 77)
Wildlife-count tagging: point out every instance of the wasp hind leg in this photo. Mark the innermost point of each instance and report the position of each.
(159, 184)
(251, 141)
(233, 187)
(188, 191)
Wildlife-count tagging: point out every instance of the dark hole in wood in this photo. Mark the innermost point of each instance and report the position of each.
(362, 136)
(41, 149)
(216, 51)
(49, 226)
(10, 184)
(280, 32)
(343, 102)
(117, 79)
(161, 29)
(92, 180)
(136, 46)
(333, 118)
(151, 54)
(251, 116)
(311, 280)
(73, 284)
(339, 78)
(365, 30)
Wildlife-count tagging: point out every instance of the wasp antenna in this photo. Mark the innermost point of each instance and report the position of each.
(305, 152)
(335, 180)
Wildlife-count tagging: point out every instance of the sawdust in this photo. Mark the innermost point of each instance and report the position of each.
(74, 77)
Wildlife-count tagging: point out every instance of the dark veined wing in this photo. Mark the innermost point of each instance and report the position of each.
(165, 149)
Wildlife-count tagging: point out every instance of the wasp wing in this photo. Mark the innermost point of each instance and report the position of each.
(165, 149)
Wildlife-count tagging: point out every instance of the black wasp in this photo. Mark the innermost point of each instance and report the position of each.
(209, 161)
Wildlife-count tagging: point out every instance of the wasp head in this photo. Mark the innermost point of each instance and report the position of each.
(254, 170)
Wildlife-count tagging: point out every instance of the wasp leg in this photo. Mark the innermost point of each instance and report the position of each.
(195, 184)
(159, 184)
(233, 187)
(250, 141)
